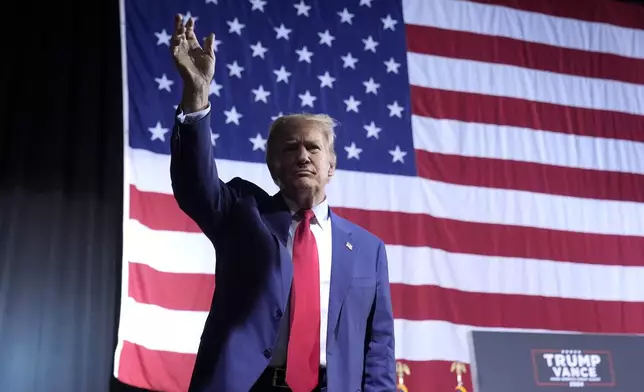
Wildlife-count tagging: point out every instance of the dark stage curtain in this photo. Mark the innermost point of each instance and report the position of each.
(60, 196)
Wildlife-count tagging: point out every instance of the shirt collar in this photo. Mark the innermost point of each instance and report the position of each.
(321, 211)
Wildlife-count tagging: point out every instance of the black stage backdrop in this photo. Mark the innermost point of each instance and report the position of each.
(60, 196)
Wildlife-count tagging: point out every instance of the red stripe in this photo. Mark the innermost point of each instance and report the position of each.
(155, 370)
(434, 376)
(516, 311)
(532, 177)
(170, 290)
(150, 369)
(499, 240)
(487, 109)
(503, 50)
(160, 212)
(427, 303)
(614, 12)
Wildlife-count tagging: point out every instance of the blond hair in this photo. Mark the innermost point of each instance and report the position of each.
(326, 123)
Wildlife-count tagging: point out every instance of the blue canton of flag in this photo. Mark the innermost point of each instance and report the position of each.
(345, 58)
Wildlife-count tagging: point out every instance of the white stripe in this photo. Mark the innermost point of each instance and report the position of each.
(466, 203)
(168, 251)
(507, 275)
(160, 329)
(523, 83)
(435, 340)
(179, 252)
(523, 25)
(156, 328)
(526, 145)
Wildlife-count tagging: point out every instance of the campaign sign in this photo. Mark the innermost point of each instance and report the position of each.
(549, 362)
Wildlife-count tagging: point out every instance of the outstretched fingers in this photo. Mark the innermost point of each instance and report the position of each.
(209, 45)
(190, 34)
(179, 33)
(178, 24)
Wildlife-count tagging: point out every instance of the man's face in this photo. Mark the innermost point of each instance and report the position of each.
(305, 162)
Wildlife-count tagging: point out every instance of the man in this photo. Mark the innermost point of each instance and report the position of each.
(302, 299)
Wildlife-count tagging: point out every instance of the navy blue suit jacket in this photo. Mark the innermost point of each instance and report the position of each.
(249, 230)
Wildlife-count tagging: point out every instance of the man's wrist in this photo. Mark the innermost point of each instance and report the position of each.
(194, 99)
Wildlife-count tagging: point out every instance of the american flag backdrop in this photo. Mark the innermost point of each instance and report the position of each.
(496, 146)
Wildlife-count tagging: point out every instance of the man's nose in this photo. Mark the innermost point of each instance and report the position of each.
(302, 154)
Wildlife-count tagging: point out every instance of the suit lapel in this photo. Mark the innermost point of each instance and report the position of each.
(277, 218)
(341, 270)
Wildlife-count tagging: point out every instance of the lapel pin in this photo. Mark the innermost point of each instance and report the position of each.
(349, 246)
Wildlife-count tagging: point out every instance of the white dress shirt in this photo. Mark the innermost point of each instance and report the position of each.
(321, 228)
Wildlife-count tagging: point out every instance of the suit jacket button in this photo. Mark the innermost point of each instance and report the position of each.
(267, 353)
(278, 313)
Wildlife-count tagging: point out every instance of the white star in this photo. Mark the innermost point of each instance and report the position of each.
(349, 61)
(280, 114)
(395, 109)
(345, 16)
(352, 104)
(235, 26)
(258, 49)
(371, 86)
(257, 5)
(164, 82)
(307, 98)
(282, 74)
(235, 69)
(187, 16)
(302, 9)
(259, 143)
(214, 88)
(282, 32)
(163, 38)
(353, 151)
(261, 94)
(366, 2)
(158, 132)
(398, 155)
(304, 54)
(389, 23)
(372, 130)
(392, 65)
(232, 116)
(211, 1)
(370, 44)
(326, 80)
(213, 138)
(326, 38)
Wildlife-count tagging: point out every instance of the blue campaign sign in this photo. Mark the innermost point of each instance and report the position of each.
(549, 362)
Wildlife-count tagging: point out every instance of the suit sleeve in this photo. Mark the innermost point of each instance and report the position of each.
(380, 361)
(193, 172)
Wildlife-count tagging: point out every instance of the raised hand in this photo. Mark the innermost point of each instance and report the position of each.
(195, 64)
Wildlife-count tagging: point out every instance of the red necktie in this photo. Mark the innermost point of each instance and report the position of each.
(303, 358)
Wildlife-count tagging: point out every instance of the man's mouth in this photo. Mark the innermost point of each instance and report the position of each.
(303, 172)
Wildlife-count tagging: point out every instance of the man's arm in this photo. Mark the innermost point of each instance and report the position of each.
(380, 360)
(195, 180)
(193, 171)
